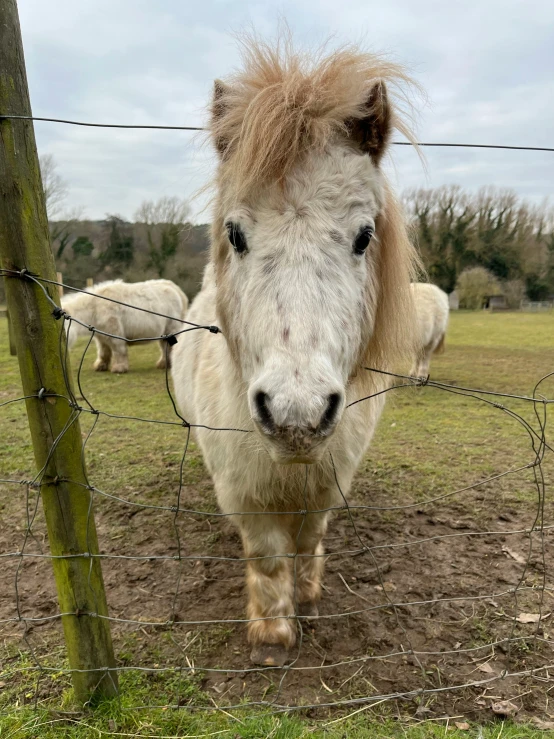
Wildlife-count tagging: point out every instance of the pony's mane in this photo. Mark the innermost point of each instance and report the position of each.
(283, 103)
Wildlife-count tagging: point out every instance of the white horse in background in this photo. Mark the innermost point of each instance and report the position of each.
(160, 296)
(432, 311)
(308, 279)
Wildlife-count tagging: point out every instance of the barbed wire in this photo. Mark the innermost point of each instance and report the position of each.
(155, 127)
(397, 607)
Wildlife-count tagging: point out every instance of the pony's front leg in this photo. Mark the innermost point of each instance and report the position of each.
(424, 362)
(309, 563)
(272, 628)
(417, 369)
(120, 360)
(104, 354)
(164, 362)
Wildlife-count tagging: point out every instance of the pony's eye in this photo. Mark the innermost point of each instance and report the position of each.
(236, 237)
(362, 240)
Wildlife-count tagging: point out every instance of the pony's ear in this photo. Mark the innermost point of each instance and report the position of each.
(218, 110)
(372, 131)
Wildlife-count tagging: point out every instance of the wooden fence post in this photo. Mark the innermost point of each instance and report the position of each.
(90, 282)
(24, 244)
(59, 278)
(11, 337)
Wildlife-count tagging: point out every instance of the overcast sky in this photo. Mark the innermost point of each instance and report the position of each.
(487, 67)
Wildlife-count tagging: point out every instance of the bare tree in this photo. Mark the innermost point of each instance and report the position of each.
(62, 229)
(164, 223)
(492, 228)
(442, 222)
(53, 184)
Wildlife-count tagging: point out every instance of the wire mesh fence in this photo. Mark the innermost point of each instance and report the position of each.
(402, 586)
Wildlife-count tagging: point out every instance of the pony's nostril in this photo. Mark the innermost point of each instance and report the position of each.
(265, 418)
(330, 416)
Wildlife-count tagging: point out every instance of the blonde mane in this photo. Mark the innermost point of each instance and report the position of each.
(283, 103)
(399, 264)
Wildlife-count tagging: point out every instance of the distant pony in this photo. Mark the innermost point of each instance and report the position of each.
(160, 296)
(431, 309)
(308, 279)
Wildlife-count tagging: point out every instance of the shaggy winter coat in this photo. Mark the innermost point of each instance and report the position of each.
(432, 310)
(125, 321)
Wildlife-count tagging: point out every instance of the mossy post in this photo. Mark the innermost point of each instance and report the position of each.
(11, 338)
(24, 244)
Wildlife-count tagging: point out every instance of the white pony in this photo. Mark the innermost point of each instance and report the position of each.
(160, 296)
(308, 280)
(432, 309)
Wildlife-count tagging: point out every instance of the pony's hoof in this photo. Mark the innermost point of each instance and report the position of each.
(161, 364)
(308, 609)
(269, 655)
(100, 367)
(118, 369)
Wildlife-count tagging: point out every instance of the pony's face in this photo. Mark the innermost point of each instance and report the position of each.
(298, 293)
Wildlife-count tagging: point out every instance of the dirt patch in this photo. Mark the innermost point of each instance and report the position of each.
(414, 599)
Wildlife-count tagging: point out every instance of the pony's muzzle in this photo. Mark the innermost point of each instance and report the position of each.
(296, 433)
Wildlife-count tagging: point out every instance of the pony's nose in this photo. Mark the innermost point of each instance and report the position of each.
(264, 417)
(330, 414)
(270, 422)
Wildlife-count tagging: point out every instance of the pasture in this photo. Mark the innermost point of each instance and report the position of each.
(441, 547)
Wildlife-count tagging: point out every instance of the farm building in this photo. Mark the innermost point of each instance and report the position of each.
(495, 302)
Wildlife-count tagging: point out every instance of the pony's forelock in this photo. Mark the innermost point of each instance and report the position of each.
(283, 103)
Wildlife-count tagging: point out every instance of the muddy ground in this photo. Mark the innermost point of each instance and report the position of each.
(437, 584)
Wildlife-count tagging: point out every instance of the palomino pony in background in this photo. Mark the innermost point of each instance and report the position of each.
(161, 296)
(309, 280)
(432, 309)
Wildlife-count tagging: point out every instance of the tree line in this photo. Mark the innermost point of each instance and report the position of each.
(488, 242)
(493, 229)
(159, 242)
(115, 248)
(483, 243)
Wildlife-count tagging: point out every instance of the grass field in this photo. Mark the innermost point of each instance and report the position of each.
(430, 442)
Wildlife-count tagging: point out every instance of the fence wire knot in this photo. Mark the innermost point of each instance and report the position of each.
(58, 313)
